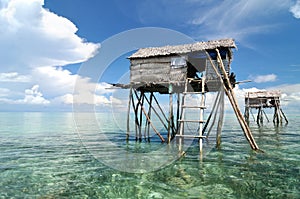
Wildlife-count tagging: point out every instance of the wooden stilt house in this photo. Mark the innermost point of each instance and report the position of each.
(261, 100)
(182, 70)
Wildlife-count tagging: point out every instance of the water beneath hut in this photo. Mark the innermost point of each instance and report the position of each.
(43, 156)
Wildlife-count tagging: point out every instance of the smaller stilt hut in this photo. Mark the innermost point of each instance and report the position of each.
(261, 100)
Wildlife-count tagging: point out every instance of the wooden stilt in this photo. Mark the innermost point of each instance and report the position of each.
(141, 115)
(147, 127)
(259, 116)
(170, 121)
(159, 107)
(150, 122)
(128, 114)
(214, 120)
(178, 112)
(246, 114)
(221, 118)
(211, 113)
(265, 115)
(252, 115)
(280, 112)
(276, 118)
(156, 113)
(275, 115)
(284, 116)
(147, 117)
(135, 108)
(230, 94)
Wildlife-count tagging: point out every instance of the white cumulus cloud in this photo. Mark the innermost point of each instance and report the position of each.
(32, 96)
(295, 9)
(60, 83)
(32, 36)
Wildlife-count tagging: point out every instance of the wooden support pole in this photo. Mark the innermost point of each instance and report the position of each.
(161, 110)
(156, 113)
(280, 112)
(259, 116)
(275, 115)
(135, 108)
(284, 116)
(170, 121)
(178, 112)
(276, 118)
(221, 118)
(211, 113)
(147, 117)
(252, 114)
(230, 94)
(141, 115)
(246, 114)
(147, 126)
(128, 114)
(265, 115)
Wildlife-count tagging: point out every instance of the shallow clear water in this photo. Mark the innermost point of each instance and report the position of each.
(42, 156)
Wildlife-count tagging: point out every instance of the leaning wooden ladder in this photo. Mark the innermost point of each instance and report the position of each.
(183, 119)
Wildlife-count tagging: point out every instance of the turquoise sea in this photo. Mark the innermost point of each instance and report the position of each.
(42, 155)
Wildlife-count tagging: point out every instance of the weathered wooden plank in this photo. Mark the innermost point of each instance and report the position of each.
(150, 78)
(150, 66)
(147, 73)
(162, 59)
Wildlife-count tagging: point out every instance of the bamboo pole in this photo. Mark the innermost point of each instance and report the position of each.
(161, 110)
(221, 118)
(280, 111)
(141, 116)
(214, 120)
(284, 116)
(252, 114)
(170, 121)
(230, 94)
(135, 108)
(147, 128)
(258, 118)
(265, 115)
(246, 114)
(241, 119)
(276, 113)
(178, 112)
(157, 114)
(211, 113)
(128, 114)
(147, 117)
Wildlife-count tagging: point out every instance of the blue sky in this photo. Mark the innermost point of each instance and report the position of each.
(43, 44)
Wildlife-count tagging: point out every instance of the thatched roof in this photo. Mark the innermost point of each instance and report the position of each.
(263, 94)
(182, 49)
